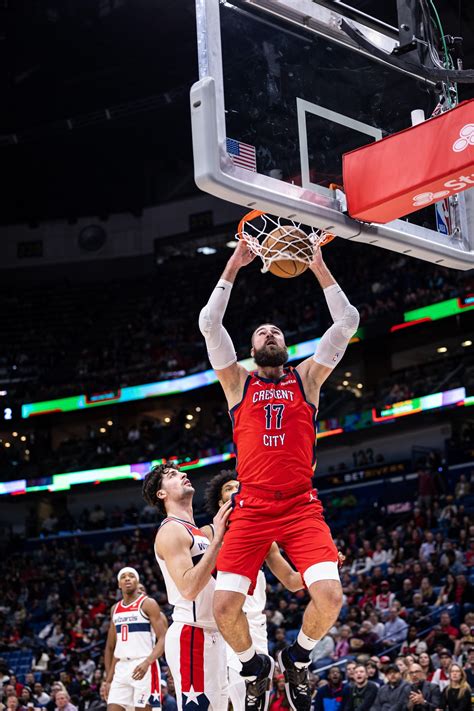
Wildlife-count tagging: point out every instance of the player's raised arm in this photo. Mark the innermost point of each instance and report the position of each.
(151, 608)
(331, 347)
(172, 545)
(219, 344)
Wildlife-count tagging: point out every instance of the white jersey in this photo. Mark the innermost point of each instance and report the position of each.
(254, 607)
(196, 612)
(135, 635)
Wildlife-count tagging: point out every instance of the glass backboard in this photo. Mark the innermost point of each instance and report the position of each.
(283, 94)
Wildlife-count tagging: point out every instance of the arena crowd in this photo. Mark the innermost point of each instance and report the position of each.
(407, 620)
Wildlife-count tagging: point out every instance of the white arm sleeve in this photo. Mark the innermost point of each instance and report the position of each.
(331, 347)
(219, 344)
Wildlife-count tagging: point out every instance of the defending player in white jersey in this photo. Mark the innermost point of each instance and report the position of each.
(194, 649)
(218, 492)
(135, 642)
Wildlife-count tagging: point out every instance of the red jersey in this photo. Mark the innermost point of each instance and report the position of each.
(275, 434)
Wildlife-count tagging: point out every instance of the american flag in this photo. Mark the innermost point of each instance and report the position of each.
(242, 154)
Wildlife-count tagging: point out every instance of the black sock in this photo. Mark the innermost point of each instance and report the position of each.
(253, 667)
(298, 653)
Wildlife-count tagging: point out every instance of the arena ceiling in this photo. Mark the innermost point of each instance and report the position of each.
(63, 63)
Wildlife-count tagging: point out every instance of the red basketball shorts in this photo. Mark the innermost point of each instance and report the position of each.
(297, 524)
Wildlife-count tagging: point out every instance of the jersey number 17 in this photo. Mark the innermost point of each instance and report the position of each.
(273, 416)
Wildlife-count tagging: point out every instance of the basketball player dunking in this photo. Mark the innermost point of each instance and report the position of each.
(273, 411)
(194, 649)
(218, 492)
(131, 652)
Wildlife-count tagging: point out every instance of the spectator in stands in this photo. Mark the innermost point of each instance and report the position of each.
(465, 641)
(331, 692)
(427, 548)
(377, 625)
(419, 610)
(364, 640)
(374, 666)
(405, 596)
(457, 694)
(380, 555)
(40, 694)
(469, 667)
(413, 644)
(12, 704)
(395, 629)
(362, 563)
(342, 644)
(90, 700)
(423, 694)
(350, 668)
(463, 592)
(26, 696)
(446, 594)
(168, 702)
(279, 641)
(8, 690)
(426, 663)
(55, 688)
(368, 598)
(63, 702)
(278, 698)
(441, 675)
(392, 696)
(427, 592)
(444, 633)
(401, 664)
(30, 680)
(384, 600)
(360, 695)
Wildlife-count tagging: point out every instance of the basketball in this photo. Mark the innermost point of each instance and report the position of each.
(296, 242)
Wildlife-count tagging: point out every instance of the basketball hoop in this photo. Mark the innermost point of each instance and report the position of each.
(274, 239)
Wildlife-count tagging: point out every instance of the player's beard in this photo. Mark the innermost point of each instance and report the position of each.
(271, 356)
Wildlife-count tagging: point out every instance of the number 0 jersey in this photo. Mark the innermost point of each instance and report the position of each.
(275, 433)
(135, 635)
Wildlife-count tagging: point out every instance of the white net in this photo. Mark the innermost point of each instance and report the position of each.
(275, 239)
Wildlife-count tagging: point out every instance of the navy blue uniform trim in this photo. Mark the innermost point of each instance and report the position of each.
(275, 381)
(183, 523)
(231, 415)
(300, 383)
(244, 392)
(135, 626)
(315, 413)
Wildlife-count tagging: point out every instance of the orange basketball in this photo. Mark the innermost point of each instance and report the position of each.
(287, 241)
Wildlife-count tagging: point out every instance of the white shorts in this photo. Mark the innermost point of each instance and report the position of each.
(126, 691)
(258, 635)
(197, 661)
